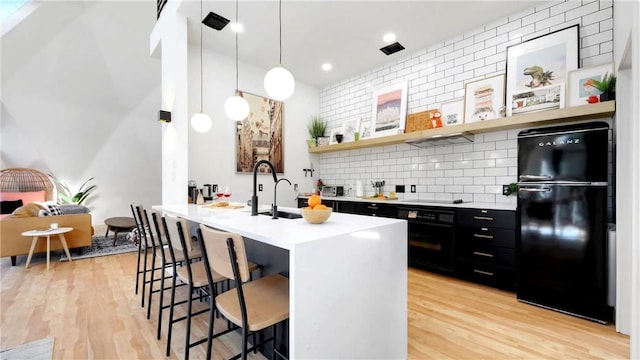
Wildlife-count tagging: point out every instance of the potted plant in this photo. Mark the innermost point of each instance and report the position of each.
(317, 128)
(66, 196)
(607, 86)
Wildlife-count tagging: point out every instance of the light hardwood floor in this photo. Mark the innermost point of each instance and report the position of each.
(90, 308)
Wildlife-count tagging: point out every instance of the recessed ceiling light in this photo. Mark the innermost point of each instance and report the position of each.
(389, 37)
(237, 27)
(327, 67)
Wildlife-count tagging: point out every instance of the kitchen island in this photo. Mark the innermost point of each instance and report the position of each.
(347, 278)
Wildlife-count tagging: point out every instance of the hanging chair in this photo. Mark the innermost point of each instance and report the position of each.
(26, 180)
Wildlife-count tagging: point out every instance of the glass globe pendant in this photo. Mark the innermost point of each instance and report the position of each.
(201, 122)
(279, 83)
(236, 107)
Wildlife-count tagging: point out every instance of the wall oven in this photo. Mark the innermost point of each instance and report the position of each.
(430, 237)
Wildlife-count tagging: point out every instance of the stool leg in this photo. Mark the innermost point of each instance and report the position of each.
(48, 249)
(33, 247)
(63, 240)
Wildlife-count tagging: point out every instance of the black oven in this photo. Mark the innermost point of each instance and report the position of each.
(430, 237)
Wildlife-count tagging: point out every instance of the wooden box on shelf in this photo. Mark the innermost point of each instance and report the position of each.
(419, 121)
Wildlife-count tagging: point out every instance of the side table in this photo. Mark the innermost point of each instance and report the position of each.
(118, 223)
(36, 234)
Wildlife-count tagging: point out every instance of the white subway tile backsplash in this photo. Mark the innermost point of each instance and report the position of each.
(474, 171)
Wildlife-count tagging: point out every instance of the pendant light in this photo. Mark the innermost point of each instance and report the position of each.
(236, 107)
(201, 122)
(279, 83)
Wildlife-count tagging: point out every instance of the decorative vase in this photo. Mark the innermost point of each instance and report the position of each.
(311, 143)
(606, 96)
(339, 138)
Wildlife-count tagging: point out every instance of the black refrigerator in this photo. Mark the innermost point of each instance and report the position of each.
(562, 207)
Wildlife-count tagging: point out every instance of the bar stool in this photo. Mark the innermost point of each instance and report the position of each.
(142, 250)
(252, 305)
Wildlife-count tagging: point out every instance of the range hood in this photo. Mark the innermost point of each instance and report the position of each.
(448, 139)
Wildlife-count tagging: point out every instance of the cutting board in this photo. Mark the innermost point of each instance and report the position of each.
(377, 198)
(228, 206)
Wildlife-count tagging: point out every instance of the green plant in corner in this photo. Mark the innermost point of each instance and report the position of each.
(317, 127)
(66, 196)
(607, 84)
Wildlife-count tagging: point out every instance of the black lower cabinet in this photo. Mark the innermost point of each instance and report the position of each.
(485, 247)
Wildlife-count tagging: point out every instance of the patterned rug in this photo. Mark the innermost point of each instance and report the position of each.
(37, 350)
(103, 246)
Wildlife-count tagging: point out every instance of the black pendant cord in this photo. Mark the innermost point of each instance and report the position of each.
(201, 73)
(237, 48)
(280, 22)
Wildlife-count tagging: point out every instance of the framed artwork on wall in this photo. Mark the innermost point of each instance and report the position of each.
(452, 112)
(365, 129)
(538, 99)
(389, 109)
(259, 136)
(483, 99)
(349, 129)
(580, 83)
(540, 62)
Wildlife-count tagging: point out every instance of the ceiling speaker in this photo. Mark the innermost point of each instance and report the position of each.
(392, 48)
(215, 21)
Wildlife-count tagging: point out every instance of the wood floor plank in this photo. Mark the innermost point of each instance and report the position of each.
(89, 306)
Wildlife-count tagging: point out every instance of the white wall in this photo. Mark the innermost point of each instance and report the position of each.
(80, 99)
(472, 172)
(212, 155)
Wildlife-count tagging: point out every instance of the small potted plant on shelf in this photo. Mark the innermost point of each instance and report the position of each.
(607, 86)
(317, 127)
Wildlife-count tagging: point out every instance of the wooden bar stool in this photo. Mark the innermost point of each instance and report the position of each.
(252, 305)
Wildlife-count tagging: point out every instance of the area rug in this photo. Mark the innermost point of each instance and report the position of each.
(103, 246)
(37, 350)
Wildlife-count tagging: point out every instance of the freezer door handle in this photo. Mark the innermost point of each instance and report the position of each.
(537, 190)
(535, 177)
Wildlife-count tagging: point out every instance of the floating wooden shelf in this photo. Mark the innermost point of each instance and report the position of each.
(575, 113)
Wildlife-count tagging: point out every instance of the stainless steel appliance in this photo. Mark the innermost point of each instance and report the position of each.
(332, 191)
(430, 240)
(562, 206)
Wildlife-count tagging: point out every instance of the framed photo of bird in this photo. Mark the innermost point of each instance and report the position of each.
(540, 66)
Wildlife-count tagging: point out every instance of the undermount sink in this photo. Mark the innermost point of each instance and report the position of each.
(282, 214)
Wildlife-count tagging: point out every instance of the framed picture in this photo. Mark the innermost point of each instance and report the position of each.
(541, 62)
(389, 110)
(538, 99)
(334, 132)
(365, 129)
(579, 86)
(483, 99)
(259, 136)
(452, 112)
(349, 128)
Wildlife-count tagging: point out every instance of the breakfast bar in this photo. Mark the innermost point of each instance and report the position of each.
(347, 276)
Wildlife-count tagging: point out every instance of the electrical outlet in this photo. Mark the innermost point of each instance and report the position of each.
(400, 188)
(413, 188)
(259, 187)
(505, 189)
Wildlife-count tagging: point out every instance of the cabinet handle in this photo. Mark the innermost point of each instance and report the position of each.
(482, 254)
(483, 236)
(483, 218)
(482, 272)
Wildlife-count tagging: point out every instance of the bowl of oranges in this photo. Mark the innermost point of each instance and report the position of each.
(316, 212)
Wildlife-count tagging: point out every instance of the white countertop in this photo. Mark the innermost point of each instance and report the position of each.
(283, 233)
(465, 205)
